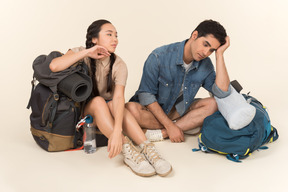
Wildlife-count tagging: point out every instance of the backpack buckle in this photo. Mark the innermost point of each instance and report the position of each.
(56, 96)
(233, 157)
(81, 122)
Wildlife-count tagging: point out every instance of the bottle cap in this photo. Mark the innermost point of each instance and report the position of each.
(89, 119)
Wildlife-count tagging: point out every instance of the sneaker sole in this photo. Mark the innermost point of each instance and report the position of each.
(165, 174)
(193, 132)
(141, 174)
(153, 141)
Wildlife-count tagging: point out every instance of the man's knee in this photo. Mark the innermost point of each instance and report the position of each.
(133, 108)
(211, 105)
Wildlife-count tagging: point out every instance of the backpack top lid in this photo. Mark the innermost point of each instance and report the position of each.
(45, 76)
(89, 119)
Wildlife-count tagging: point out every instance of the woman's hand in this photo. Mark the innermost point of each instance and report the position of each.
(98, 52)
(115, 143)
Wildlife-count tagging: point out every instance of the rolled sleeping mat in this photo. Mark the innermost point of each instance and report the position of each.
(235, 109)
(76, 86)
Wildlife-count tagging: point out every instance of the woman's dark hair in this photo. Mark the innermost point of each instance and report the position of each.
(93, 32)
(214, 28)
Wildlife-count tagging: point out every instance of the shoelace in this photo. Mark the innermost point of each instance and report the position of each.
(151, 153)
(136, 155)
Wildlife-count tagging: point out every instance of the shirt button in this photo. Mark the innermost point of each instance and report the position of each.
(185, 87)
(186, 102)
(166, 84)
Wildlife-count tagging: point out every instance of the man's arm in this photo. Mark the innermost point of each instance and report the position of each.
(222, 78)
(175, 133)
(147, 91)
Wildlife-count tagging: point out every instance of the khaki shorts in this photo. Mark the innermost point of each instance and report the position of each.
(173, 114)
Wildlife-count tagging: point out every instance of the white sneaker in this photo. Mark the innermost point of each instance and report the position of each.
(193, 131)
(154, 135)
(136, 160)
(161, 166)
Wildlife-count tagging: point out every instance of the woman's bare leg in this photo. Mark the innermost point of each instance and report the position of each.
(102, 116)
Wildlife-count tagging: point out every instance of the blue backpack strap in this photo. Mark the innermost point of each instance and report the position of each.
(195, 149)
(233, 157)
(202, 147)
(273, 136)
(263, 148)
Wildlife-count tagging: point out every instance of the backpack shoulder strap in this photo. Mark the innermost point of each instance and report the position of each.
(32, 89)
(42, 72)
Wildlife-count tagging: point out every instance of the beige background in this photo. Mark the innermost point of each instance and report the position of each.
(257, 58)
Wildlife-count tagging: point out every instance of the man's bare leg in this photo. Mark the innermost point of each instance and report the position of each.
(198, 111)
(144, 117)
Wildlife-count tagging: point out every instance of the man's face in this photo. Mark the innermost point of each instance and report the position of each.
(203, 47)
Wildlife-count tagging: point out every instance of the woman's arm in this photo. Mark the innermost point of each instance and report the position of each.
(118, 105)
(65, 61)
(115, 140)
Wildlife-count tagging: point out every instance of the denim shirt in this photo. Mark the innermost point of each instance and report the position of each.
(164, 74)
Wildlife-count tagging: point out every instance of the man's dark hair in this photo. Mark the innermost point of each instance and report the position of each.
(210, 27)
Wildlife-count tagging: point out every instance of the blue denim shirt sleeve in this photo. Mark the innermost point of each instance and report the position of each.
(146, 98)
(219, 92)
(211, 86)
(149, 83)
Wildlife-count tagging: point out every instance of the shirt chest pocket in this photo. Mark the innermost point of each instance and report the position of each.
(194, 88)
(165, 87)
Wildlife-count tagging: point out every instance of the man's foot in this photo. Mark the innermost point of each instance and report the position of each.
(136, 160)
(154, 135)
(193, 131)
(161, 166)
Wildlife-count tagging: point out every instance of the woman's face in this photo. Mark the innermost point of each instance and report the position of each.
(107, 37)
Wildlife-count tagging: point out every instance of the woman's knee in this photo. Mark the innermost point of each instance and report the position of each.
(98, 101)
(95, 104)
(110, 105)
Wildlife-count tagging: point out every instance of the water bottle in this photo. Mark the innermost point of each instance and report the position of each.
(90, 140)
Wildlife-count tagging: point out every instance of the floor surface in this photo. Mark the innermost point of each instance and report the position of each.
(25, 167)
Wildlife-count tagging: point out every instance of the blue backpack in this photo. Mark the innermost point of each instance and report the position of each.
(217, 137)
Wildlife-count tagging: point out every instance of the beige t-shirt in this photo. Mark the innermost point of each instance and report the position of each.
(119, 73)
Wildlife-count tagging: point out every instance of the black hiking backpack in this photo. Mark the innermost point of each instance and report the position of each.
(57, 102)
